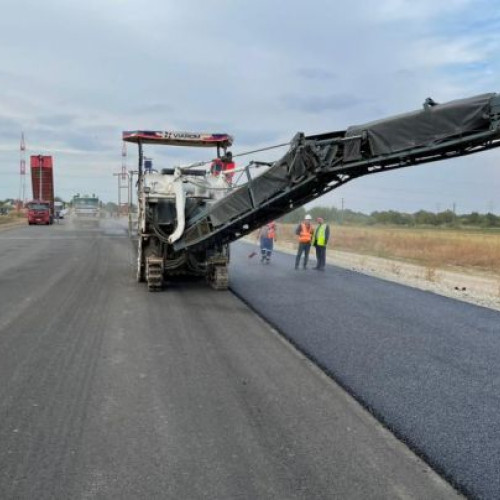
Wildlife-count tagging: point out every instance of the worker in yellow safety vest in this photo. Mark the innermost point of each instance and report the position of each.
(305, 232)
(320, 242)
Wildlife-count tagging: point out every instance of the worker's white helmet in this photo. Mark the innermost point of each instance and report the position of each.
(308, 217)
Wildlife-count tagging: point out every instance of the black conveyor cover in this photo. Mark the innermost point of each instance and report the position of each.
(295, 164)
(420, 128)
(317, 164)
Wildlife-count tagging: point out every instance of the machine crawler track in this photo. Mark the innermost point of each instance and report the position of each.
(154, 273)
(219, 278)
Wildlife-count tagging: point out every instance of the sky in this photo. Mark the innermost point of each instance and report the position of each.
(74, 75)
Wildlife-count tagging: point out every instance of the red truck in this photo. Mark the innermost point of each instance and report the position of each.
(41, 208)
(39, 212)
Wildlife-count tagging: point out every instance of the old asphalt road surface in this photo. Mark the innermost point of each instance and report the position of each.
(425, 365)
(108, 391)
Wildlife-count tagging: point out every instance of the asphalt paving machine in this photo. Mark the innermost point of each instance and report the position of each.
(167, 198)
(187, 219)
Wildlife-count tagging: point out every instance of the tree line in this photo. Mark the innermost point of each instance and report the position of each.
(447, 218)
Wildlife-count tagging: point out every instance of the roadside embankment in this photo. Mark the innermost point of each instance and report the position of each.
(11, 222)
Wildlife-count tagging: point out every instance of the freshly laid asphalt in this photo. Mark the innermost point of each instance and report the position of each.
(427, 366)
(108, 391)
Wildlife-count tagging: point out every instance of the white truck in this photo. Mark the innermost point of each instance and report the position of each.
(86, 210)
(59, 210)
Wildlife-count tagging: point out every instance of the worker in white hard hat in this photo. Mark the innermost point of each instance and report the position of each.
(305, 233)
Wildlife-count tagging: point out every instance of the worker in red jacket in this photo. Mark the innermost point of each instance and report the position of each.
(224, 165)
(266, 237)
(216, 167)
(228, 167)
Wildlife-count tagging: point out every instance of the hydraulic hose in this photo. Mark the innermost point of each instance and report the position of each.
(180, 204)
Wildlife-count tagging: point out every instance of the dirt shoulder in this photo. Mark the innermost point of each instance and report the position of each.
(12, 224)
(479, 289)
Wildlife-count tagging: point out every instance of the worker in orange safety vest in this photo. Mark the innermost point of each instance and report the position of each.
(305, 233)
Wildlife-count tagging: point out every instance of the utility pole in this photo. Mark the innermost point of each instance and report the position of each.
(40, 162)
(342, 212)
(22, 172)
(124, 182)
(131, 174)
(124, 160)
(118, 175)
(122, 206)
(122, 176)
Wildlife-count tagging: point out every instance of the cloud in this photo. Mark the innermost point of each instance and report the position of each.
(390, 11)
(153, 108)
(322, 103)
(246, 68)
(440, 52)
(10, 130)
(251, 138)
(316, 74)
(83, 142)
(57, 120)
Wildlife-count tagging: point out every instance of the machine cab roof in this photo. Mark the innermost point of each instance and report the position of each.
(171, 138)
